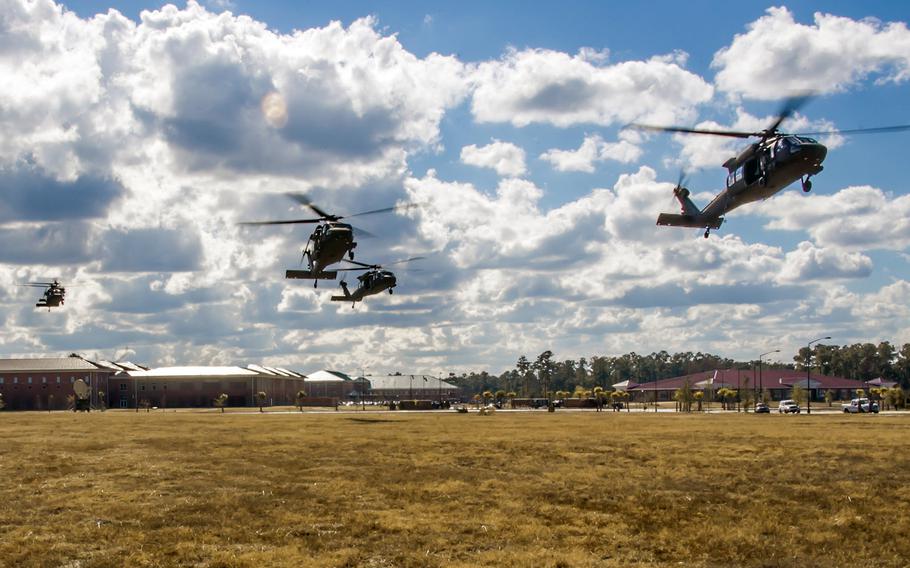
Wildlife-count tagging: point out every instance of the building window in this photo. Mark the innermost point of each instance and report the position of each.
(58, 379)
(15, 380)
(123, 386)
(29, 380)
(72, 379)
(44, 380)
(1, 380)
(142, 387)
(153, 387)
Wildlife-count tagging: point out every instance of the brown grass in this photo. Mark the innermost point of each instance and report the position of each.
(513, 489)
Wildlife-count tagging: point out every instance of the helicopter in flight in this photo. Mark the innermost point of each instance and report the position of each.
(374, 280)
(759, 171)
(329, 242)
(53, 294)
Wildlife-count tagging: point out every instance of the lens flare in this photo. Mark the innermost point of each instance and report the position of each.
(275, 110)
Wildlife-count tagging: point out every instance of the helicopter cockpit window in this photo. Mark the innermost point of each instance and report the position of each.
(807, 140)
(783, 146)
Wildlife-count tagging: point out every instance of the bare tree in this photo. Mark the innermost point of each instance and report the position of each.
(261, 397)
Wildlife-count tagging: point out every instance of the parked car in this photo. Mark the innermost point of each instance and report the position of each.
(762, 408)
(788, 407)
(858, 405)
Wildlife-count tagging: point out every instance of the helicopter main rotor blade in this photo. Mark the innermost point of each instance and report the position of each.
(405, 260)
(789, 107)
(402, 207)
(876, 130)
(363, 233)
(683, 130)
(304, 200)
(363, 264)
(287, 222)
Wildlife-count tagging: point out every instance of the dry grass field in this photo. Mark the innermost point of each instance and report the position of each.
(446, 489)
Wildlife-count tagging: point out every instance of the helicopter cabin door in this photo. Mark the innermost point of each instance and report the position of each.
(751, 171)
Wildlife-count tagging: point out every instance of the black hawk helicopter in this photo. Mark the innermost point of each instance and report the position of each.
(53, 295)
(374, 280)
(759, 171)
(329, 243)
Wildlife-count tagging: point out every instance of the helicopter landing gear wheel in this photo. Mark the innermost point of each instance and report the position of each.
(315, 283)
(351, 255)
(707, 232)
(807, 185)
(390, 290)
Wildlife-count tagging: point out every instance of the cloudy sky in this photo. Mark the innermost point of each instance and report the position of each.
(133, 140)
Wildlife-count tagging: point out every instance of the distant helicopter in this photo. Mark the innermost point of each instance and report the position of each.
(53, 295)
(329, 243)
(373, 281)
(759, 171)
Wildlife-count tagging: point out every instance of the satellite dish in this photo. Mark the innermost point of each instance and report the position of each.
(80, 388)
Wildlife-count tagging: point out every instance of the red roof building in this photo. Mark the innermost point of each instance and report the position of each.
(776, 382)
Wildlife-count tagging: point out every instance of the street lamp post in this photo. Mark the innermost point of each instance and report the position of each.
(761, 386)
(808, 370)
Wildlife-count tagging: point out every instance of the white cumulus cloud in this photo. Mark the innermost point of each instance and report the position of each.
(545, 86)
(778, 55)
(854, 218)
(593, 149)
(809, 262)
(504, 157)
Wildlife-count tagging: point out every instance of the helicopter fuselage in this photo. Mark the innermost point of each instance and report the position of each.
(757, 173)
(766, 171)
(371, 283)
(331, 242)
(53, 298)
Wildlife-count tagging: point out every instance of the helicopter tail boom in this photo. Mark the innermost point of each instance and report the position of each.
(310, 275)
(693, 221)
(347, 295)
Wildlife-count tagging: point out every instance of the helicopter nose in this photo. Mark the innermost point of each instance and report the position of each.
(815, 153)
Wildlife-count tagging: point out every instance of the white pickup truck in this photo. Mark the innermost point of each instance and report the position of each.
(858, 405)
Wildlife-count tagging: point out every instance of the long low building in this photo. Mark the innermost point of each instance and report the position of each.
(410, 387)
(778, 384)
(47, 384)
(166, 387)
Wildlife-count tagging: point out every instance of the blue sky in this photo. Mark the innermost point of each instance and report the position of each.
(148, 132)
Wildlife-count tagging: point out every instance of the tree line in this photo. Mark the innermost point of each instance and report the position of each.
(860, 361)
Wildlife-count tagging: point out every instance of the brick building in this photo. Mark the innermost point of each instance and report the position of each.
(46, 383)
(170, 387)
(777, 383)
